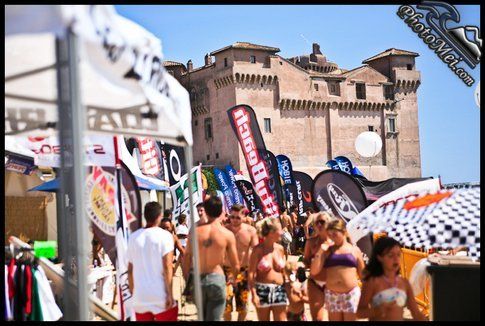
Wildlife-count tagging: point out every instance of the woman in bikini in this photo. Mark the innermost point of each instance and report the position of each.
(266, 273)
(342, 262)
(384, 292)
(316, 283)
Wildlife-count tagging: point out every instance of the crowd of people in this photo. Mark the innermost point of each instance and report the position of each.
(244, 258)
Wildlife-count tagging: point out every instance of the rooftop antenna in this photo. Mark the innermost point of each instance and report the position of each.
(303, 37)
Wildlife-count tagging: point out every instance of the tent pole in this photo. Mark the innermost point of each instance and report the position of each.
(73, 219)
(194, 244)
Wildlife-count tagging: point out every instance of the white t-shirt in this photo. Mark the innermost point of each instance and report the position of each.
(146, 249)
(182, 229)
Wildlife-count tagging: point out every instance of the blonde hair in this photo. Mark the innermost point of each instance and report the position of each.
(265, 226)
(290, 267)
(326, 216)
(339, 225)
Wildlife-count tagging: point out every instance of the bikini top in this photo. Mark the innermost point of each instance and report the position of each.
(389, 295)
(265, 266)
(334, 259)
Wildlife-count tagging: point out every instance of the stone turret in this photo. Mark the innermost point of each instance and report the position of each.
(208, 59)
(190, 66)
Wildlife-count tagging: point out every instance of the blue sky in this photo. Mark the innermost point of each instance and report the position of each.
(449, 120)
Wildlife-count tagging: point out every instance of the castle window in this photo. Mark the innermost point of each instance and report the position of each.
(388, 92)
(391, 124)
(208, 128)
(281, 63)
(225, 62)
(267, 125)
(193, 94)
(371, 128)
(360, 91)
(316, 87)
(252, 59)
(196, 122)
(208, 157)
(217, 155)
(334, 88)
(409, 66)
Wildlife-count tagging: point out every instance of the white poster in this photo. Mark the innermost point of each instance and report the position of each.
(180, 194)
(99, 150)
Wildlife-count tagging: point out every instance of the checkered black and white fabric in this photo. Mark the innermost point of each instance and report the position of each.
(451, 222)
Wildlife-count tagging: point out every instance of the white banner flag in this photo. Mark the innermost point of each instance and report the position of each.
(180, 194)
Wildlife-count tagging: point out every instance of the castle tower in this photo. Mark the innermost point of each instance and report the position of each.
(402, 133)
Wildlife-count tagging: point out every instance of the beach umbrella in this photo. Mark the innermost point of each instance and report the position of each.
(443, 219)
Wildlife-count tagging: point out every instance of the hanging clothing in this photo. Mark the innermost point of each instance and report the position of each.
(19, 296)
(11, 272)
(36, 314)
(8, 312)
(28, 290)
(50, 310)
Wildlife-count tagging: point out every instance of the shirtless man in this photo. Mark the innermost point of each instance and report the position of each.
(287, 228)
(310, 217)
(214, 242)
(246, 239)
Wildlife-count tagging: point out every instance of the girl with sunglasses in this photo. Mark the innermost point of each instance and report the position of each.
(316, 283)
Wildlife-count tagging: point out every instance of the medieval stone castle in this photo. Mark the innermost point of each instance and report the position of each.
(307, 107)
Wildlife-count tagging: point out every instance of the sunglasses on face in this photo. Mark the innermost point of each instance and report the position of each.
(320, 222)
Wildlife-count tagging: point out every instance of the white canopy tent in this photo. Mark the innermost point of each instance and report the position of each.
(122, 87)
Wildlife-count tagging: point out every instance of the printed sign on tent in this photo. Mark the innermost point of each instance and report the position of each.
(180, 194)
(100, 192)
(99, 150)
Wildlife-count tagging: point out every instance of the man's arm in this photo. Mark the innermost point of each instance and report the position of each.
(306, 226)
(292, 225)
(232, 253)
(168, 277)
(131, 284)
(187, 258)
(178, 245)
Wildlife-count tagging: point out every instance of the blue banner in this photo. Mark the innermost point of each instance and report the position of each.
(238, 198)
(344, 164)
(286, 170)
(356, 171)
(224, 185)
(333, 165)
